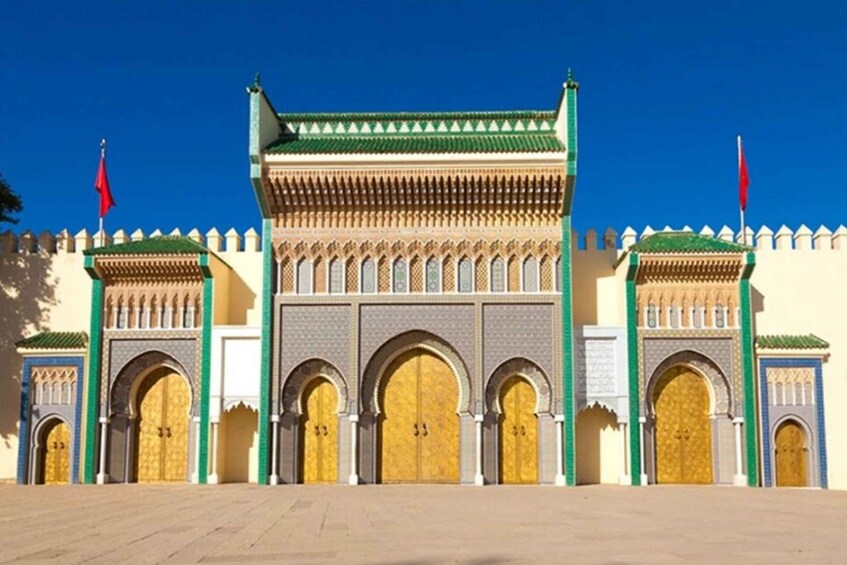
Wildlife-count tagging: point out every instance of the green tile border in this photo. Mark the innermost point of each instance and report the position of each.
(93, 379)
(205, 369)
(748, 371)
(267, 319)
(632, 355)
(569, 435)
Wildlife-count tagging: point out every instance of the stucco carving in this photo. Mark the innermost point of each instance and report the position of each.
(399, 344)
(518, 330)
(121, 389)
(531, 372)
(702, 364)
(296, 381)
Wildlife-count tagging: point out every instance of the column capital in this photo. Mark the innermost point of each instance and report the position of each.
(558, 417)
(642, 419)
(354, 418)
(738, 420)
(103, 419)
(478, 418)
(275, 418)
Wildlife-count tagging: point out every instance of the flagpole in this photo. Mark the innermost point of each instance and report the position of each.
(102, 156)
(741, 209)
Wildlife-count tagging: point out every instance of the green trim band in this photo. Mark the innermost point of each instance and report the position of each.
(569, 435)
(93, 393)
(747, 362)
(205, 369)
(267, 319)
(632, 354)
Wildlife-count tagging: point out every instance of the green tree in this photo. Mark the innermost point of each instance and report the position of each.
(10, 203)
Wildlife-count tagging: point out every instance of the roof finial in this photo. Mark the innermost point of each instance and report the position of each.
(571, 83)
(256, 80)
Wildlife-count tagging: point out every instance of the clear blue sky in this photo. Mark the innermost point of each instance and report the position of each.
(664, 91)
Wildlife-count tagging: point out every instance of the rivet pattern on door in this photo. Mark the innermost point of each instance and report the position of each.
(419, 427)
(56, 466)
(518, 432)
(791, 455)
(162, 438)
(319, 432)
(683, 428)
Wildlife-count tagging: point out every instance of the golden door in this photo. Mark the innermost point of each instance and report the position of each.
(319, 433)
(790, 455)
(164, 401)
(56, 464)
(683, 429)
(419, 427)
(518, 433)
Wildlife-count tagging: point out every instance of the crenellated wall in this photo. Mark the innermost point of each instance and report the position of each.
(45, 288)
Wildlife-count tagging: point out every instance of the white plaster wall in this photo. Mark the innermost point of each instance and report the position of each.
(798, 291)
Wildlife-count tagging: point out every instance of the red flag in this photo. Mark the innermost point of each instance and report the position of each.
(743, 179)
(101, 184)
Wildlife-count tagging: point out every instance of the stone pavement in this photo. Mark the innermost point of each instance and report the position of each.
(419, 524)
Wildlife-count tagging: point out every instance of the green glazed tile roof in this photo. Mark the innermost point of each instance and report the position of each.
(54, 340)
(791, 342)
(417, 132)
(686, 242)
(160, 245)
(422, 144)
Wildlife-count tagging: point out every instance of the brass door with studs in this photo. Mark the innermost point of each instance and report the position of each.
(790, 455)
(419, 426)
(163, 405)
(683, 428)
(319, 432)
(518, 433)
(56, 454)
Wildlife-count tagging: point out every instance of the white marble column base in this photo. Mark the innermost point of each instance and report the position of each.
(353, 480)
(644, 481)
(101, 478)
(560, 481)
(274, 479)
(625, 480)
(739, 480)
(212, 479)
(479, 480)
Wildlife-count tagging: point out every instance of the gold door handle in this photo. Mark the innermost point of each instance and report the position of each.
(523, 430)
(168, 431)
(55, 445)
(159, 433)
(416, 428)
(61, 445)
(326, 433)
(425, 433)
(514, 430)
(317, 430)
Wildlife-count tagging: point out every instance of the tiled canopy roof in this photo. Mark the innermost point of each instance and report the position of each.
(686, 242)
(161, 245)
(809, 341)
(417, 132)
(54, 340)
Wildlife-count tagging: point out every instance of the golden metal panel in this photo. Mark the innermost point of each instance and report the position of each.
(56, 465)
(790, 455)
(319, 433)
(399, 425)
(162, 440)
(683, 428)
(419, 427)
(438, 393)
(518, 433)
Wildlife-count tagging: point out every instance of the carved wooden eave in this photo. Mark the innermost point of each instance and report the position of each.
(412, 197)
(681, 269)
(149, 268)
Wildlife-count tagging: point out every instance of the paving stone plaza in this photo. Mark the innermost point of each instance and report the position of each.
(420, 524)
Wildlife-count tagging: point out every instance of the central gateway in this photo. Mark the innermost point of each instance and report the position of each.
(162, 440)
(418, 425)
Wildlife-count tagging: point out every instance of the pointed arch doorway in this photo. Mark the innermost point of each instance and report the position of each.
(55, 462)
(319, 432)
(790, 453)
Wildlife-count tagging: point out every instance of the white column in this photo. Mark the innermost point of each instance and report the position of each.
(560, 449)
(274, 449)
(213, 476)
(641, 421)
(624, 478)
(739, 479)
(195, 476)
(354, 449)
(279, 278)
(479, 478)
(104, 428)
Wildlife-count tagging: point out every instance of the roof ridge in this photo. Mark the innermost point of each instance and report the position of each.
(315, 116)
(161, 244)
